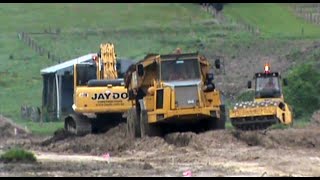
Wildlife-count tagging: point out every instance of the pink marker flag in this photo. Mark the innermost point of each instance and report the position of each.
(187, 173)
(106, 156)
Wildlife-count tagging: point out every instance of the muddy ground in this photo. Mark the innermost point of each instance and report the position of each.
(278, 152)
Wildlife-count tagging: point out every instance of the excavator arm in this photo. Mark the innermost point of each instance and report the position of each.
(106, 62)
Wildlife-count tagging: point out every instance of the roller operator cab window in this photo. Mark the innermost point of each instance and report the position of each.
(268, 87)
(180, 70)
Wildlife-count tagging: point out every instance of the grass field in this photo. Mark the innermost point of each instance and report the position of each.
(135, 29)
(273, 20)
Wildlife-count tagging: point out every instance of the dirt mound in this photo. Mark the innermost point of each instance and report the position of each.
(303, 138)
(58, 135)
(202, 141)
(114, 141)
(180, 139)
(315, 120)
(8, 129)
(148, 143)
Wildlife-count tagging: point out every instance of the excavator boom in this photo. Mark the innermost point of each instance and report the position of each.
(106, 62)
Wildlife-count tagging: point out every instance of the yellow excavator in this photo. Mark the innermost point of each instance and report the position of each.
(100, 98)
(268, 106)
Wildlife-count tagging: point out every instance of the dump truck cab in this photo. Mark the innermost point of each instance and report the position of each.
(173, 92)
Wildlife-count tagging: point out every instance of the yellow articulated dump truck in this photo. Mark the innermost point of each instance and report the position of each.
(100, 98)
(268, 106)
(173, 93)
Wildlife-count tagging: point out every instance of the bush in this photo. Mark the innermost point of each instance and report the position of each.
(303, 90)
(246, 96)
(18, 155)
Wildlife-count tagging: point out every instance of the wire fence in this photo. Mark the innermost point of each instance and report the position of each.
(308, 11)
(219, 15)
(39, 49)
(30, 112)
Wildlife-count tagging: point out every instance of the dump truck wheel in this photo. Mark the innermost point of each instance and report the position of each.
(221, 123)
(133, 127)
(148, 129)
(130, 124)
(215, 123)
(211, 124)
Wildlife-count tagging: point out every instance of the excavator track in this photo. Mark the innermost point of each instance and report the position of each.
(78, 124)
(258, 122)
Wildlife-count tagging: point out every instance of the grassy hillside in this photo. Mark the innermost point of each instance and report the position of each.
(273, 20)
(135, 29)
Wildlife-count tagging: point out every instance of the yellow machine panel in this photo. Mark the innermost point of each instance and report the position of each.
(252, 112)
(98, 99)
(268, 106)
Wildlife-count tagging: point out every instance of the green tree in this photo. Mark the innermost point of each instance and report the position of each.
(303, 91)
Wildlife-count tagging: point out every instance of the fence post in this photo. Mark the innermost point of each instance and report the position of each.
(32, 43)
(40, 50)
(310, 16)
(29, 42)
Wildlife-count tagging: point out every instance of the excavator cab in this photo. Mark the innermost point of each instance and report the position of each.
(84, 73)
